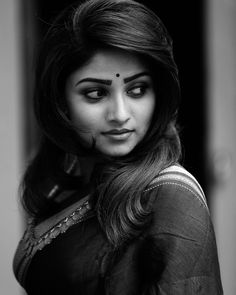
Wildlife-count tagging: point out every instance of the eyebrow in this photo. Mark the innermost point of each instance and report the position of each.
(102, 81)
(131, 78)
(109, 82)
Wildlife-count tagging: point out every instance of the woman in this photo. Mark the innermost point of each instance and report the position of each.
(111, 209)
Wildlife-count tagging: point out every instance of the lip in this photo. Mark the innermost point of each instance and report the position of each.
(117, 131)
(118, 134)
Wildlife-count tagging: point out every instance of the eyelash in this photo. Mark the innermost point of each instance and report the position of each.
(142, 89)
(87, 93)
(101, 92)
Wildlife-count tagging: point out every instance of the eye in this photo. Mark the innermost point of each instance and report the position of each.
(137, 91)
(94, 93)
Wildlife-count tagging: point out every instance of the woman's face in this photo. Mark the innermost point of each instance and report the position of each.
(111, 100)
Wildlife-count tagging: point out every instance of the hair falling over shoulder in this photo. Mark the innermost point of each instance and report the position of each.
(70, 42)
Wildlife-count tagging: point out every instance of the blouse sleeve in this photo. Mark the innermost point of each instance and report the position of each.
(181, 254)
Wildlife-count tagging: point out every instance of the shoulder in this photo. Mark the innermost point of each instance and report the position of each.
(180, 216)
(180, 240)
(177, 177)
(178, 189)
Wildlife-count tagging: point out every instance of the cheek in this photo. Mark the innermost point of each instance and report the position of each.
(145, 112)
(85, 120)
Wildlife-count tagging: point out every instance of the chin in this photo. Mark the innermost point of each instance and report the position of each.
(116, 152)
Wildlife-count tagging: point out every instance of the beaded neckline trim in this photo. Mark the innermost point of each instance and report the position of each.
(59, 228)
(31, 243)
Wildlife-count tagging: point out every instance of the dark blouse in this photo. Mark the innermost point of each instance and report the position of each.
(176, 254)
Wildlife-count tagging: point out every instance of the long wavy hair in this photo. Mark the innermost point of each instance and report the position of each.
(72, 39)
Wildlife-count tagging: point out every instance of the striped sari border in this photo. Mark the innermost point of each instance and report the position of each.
(177, 173)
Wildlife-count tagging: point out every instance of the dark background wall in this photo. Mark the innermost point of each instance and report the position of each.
(185, 23)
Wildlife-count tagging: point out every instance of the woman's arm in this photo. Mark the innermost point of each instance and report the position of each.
(180, 256)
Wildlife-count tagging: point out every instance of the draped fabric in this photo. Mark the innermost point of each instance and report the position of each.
(176, 254)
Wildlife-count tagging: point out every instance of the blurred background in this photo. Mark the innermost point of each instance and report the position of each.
(205, 51)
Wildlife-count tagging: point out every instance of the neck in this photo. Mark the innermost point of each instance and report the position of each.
(86, 166)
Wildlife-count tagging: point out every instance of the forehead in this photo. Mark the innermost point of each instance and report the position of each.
(110, 62)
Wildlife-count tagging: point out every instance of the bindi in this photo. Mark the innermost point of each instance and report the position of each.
(117, 75)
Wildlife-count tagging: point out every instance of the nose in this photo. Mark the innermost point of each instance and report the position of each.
(118, 109)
